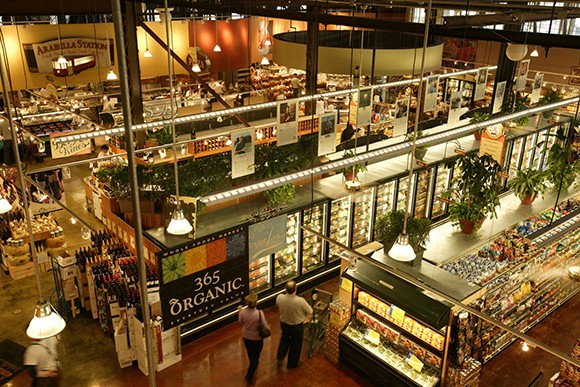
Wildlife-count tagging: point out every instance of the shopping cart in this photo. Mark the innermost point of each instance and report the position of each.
(317, 326)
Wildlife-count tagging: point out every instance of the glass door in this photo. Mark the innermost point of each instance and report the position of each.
(539, 149)
(423, 179)
(312, 251)
(402, 193)
(528, 151)
(442, 182)
(385, 197)
(515, 157)
(363, 215)
(339, 229)
(260, 274)
(286, 260)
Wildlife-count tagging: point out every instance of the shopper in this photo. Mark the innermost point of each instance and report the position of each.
(294, 312)
(347, 133)
(250, 319)
(41, 360)
(295, 81)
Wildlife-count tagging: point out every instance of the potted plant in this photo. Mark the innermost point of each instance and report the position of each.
(474, 192)
(528, 184)
(478, 117)
(163, 136)
(518, 101)
(281, 195)
(420, 150)
(389, 226)
(551, 96)
(351, 172)
(562, 169)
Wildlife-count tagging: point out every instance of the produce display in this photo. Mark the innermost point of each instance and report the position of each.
(40, 224)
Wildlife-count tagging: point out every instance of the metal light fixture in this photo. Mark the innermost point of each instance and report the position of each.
(111, 76)
(516, 52)
(195, 68)
(46, 321)
(535, 53)
(265, 61)
(147, 53)
(217, 47)
(61, 59)
(402, 250)
(5, 205)
(179, 225)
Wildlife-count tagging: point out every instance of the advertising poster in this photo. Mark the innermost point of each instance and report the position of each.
(454, 107)
(537, 87)
(365, 107)
(267, 237)
(498, 100)
(401, 117)
(480, 84)
(327, 134)
(523, 74)
(265, 37)
(431, 93)
(242, 152)
(203, 276)
(287, 122)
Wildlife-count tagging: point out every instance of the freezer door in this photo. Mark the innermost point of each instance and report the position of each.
(363, 216)
(312, 245)
(339, 227)
(286, 260)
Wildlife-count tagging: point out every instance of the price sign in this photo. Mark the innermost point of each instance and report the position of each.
(373, 336)
(459, 151)
(346, 285)
(422, 163)
(414, 362)
(397, 314)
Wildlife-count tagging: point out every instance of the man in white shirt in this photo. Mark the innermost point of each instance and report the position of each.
(42, 361)
(294, 311)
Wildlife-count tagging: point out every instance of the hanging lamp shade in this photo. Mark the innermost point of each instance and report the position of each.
(217, 48)
(516, 52)
(147, 53)
(535, 53)
(61, 59)
(179, 225)
(5, 205)
(402, 250)
(195, 68)
(46, 321)
(267, 42)
(265, 61)
(111, 76)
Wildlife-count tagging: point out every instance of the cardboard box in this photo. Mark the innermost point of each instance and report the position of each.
(125, 358)
(121, 340)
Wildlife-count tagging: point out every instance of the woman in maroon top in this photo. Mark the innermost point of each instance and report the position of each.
(250, 319)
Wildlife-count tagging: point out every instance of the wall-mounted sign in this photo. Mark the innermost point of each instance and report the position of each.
(202, 276)
(80, 53)
(267, 237)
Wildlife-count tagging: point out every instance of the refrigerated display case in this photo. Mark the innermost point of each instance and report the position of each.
(539, 149)
(385, 197)
(442, 181)
(363, 216)
(528, 151)
(259, 274)
(339, 227)
(312, 246)
(286, 260)
(515, 157)
(402, 193)
(422, 195)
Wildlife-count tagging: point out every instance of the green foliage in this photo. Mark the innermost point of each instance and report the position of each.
(551, 96)
(163, 136)
(561, 171)
(118, 179)
(475, 189)
(530, 182)
(361, 167)
(389, 226)
(479, 117)
(281, 195)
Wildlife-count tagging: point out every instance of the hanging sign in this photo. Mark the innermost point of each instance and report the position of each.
(480, 84)
(537, 87)
(454, 107)
(267, 237)
(523, 74)
(69, 148)
(242, 152)
(493, 142)
(327, 134)
(202, 276)
(431, 94)
(498, 100)
(287, 122)
(365, 108)
(80, 53)
(401, 117)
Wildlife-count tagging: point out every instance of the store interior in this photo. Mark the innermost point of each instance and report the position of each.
(427, 207)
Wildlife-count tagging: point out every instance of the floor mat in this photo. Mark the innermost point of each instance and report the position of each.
(11, 357)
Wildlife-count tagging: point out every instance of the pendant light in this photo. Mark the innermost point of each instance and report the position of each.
(267, 42)
(178, 225)
(5, 205)
(46, 321)
(265, 61)
(111, 76)
(217, 47)
(535, 53)
(61, 59)
(402, 250)
(195, 68)
(147, 53)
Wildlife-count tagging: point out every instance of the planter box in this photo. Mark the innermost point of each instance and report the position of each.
(22, 271)
(147, 206)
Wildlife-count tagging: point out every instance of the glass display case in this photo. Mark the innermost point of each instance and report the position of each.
(339, 228)
(385, 197)
(259, 273)
(312, 246)
(286, 260)
(363, 215)
(422, 196)
(528, 150)
(441, 183)
(402, 193)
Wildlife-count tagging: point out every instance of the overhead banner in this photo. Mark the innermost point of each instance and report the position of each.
(203, 276)
(523, 74)
(242, 152)
(537, 87)
(480, 84)
(80, 53)
(431, 94)
(327, 134)
(267, 237)
(498, 100)
(287, 122)
(454, 107)
(69, 148)
(401, 117)
(364, 109)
